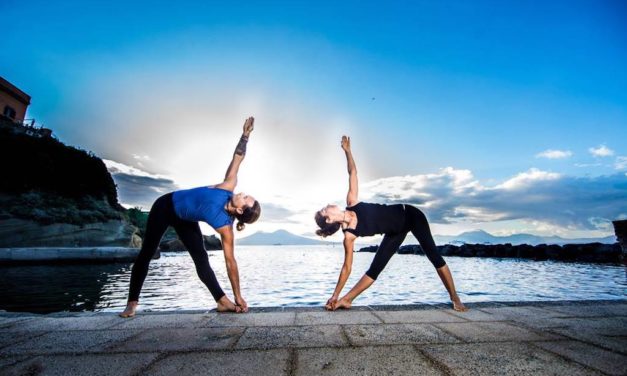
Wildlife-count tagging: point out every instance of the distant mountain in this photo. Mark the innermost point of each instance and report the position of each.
(279, 237)
(482, 237)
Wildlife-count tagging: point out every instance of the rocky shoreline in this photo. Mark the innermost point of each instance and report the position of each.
(592, 252)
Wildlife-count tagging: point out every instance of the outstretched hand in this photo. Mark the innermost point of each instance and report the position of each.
(241, 303)
(346, 143)
(249, 125)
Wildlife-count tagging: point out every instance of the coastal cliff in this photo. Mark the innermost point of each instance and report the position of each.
(52, 194)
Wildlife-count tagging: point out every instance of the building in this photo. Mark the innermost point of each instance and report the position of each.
(13, 101)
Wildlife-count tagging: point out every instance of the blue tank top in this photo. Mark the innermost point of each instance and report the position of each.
(203, 204)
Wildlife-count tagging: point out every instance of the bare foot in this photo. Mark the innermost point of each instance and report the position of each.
(226, 305)
(458, 305)
(130, 310)
(342, 304)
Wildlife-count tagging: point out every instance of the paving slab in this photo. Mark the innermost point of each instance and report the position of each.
(614, 343)
(180, 339)
(14, 337)
(613, 326)
(175, 320)
(425, 316)
(252, 319)
(531, 316)
(291, 337)
(7, 322)
(597, 310)
(389, 360)
(476, 314)
(5, 362)
(492, 332)
(337, 317)
(84, 364)
(503, 359)
(103, 321)
(591, 356)
(396, 334)
(70, 342)
(233, 363)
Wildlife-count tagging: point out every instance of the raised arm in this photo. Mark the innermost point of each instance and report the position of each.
(230, 179)
(352, 196)
(226, 234)
(349, 241)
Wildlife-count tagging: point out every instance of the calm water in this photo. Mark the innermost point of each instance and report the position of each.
(303, 276)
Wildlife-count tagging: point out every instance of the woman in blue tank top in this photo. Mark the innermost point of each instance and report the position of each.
(216, 205)
(366, 219)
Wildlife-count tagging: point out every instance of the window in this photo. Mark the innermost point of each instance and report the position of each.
(9, 112)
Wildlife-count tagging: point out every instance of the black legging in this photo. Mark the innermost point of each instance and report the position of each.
(416, 222)
(161, 216)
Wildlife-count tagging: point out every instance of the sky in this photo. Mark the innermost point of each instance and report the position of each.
(508, 117)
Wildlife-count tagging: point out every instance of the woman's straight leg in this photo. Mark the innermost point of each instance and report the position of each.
(190, 235)
(158, 221)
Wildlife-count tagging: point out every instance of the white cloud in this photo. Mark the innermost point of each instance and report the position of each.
(141, 157)
(601, 151)
(620, 163)
(554, 154)
(571, 203)
(527, 178)
(137, 187)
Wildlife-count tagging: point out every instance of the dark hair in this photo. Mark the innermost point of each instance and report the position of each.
(325, 229)
(249, 215)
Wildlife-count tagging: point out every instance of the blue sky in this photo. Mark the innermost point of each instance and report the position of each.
(519, 101)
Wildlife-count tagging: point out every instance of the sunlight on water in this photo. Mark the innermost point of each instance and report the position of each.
(303, 276)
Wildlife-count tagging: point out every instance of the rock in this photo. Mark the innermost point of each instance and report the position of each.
(592, 252)
(370, 248)
(211, 243)
(620, 229)
(25, 233)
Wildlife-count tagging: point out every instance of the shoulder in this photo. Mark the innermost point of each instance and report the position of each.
(352, 205)
(224, 186)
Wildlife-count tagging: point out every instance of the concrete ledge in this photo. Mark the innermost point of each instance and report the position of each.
(496, 338)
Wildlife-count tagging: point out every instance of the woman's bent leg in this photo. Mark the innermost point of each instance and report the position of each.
(389, 245)
(420, 229)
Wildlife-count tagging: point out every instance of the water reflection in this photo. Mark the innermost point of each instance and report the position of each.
(302, 276)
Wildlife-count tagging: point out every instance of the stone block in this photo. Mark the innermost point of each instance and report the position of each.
(492, 332)
(423, 316)
(84, 364)
(396, 334)
(252, 319)
(592, 356)
(291, 337)
(240, 363)
(387, 360)
(181, 339)
(336, 318)
(502, 359)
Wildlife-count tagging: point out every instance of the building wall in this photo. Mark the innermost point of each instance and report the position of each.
(19, 107)
(16, 99)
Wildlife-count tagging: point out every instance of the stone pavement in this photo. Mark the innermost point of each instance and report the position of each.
(542, 338)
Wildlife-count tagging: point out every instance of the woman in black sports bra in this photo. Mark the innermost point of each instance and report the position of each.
(366, 219)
